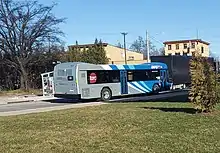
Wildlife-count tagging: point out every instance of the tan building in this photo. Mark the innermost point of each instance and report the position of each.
(187, 47)
(116, 55)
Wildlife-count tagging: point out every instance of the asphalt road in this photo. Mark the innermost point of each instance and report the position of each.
(29, 105)
(38, 106)
(176, 96)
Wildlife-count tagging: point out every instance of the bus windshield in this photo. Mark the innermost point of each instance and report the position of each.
(154, 74)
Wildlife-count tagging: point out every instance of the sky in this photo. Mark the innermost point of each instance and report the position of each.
(164, 20)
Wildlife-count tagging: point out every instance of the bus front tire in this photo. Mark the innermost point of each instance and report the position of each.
(106, 94)
(156, 89)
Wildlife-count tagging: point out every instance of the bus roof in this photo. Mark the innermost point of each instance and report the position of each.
(144, 66)
(147, 66)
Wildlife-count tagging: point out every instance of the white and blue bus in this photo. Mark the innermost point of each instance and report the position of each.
(88, 81)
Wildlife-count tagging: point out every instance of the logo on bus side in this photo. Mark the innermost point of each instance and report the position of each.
(156, 67)
(92, 78)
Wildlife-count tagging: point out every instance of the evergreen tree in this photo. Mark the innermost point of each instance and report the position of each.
(96, 41)
(203, 91)
(102, 54)
(95, 54)
(210, 98)
(74, 54)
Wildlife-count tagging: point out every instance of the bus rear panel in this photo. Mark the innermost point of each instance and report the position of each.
(65, 81)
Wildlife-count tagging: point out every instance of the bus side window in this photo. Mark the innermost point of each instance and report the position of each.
(130, 76)
(105, 76)
(114, 76)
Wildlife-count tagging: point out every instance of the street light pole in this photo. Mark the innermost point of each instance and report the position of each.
(148, 46)
(123, 33)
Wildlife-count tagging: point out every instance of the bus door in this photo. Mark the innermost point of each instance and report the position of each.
(163, 78)
(124, 84)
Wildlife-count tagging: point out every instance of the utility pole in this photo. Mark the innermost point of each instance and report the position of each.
(148, 47)
(124, 34)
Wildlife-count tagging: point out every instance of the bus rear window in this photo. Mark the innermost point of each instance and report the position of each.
(65, 72)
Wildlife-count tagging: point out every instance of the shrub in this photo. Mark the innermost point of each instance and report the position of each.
(203, 93)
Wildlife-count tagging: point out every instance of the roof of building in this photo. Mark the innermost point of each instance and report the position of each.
(88, 45)
(186, 41)
(103, 44)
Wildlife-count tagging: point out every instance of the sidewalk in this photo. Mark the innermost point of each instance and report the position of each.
(22, 99)
(52, 108)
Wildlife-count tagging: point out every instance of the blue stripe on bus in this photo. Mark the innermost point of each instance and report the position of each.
(114, 67)
(145, 66)
(136, 86)
(141, 86)
(121, 67)
(131, 67)
(126, 67)
(145, 85)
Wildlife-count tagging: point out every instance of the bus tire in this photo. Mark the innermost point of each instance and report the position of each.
(106, 94)
(156, 89)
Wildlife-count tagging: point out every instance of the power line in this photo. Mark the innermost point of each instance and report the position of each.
(158, 41)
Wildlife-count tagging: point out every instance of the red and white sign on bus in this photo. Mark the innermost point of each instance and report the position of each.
(92, 78)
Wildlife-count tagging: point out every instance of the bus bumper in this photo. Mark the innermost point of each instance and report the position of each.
(68, 96)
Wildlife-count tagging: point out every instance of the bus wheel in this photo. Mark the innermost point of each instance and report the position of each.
(106, 94)
(156, 89)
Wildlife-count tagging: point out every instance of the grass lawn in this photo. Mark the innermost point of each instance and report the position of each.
(129, 127)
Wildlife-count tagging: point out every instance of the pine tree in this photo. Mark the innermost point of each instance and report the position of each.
(95, 54)
(102, 54)
(74, 54)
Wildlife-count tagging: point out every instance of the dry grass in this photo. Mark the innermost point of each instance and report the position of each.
(20, 92)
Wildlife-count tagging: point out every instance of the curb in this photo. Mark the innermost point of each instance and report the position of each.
(16, 102)
(22, 101)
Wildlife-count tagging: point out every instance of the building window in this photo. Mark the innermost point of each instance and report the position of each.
(177, 46)
(185, 46)
(131, 57)
(169, 47)
(188, 50)
(177, 54)
(193, 45)
(169, 54)
(202, 49)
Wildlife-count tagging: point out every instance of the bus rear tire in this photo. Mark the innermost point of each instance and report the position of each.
(156, 89)
(106, 94)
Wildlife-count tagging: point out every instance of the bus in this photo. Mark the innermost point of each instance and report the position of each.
(91, 81)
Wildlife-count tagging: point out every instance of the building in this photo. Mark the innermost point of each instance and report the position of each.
(187, 47)
(115, 54)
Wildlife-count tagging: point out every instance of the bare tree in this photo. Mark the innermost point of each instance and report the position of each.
(23, 27)
(140, 46)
